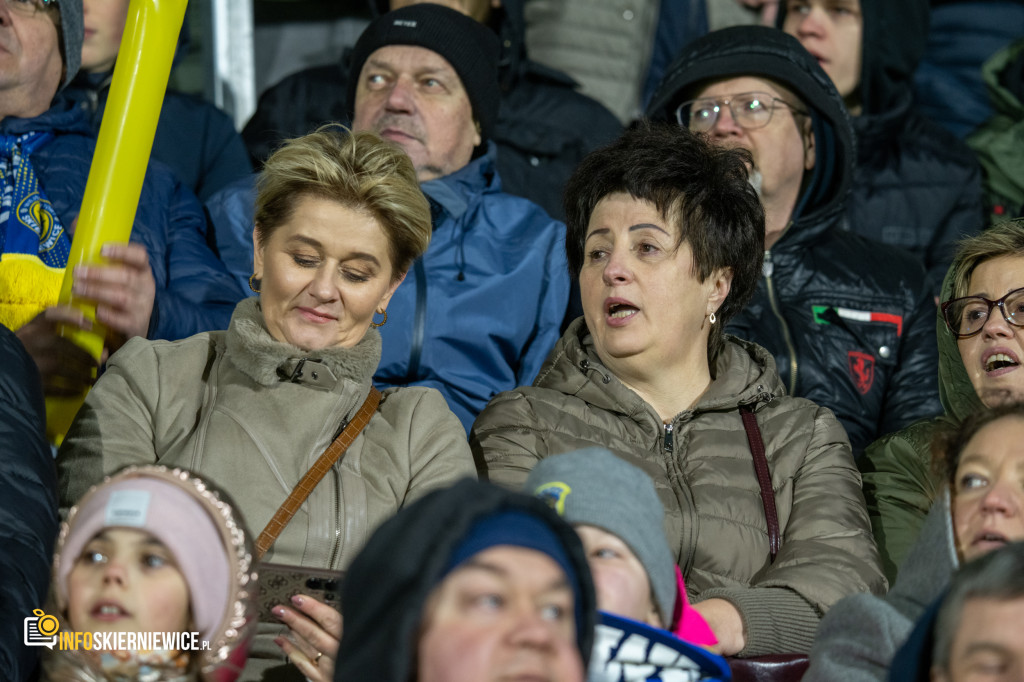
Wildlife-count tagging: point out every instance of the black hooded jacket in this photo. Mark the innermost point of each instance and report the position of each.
(545, 127)
(916, 185)
(849, 321)
(28, 505)
(387, 586)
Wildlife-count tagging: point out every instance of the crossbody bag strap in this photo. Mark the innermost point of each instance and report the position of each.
(764, 478)
(316, 473)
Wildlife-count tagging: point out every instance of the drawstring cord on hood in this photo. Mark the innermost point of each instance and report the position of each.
(586, 367)
(460, 253)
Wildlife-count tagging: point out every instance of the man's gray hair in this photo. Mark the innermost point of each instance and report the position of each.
(998, 575)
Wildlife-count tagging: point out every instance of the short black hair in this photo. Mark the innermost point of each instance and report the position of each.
(699, 187)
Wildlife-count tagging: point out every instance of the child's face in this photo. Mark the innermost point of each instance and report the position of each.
(104, 25)
(620, 580)
(127, 581)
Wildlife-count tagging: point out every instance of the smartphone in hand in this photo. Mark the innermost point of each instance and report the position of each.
(280, 582)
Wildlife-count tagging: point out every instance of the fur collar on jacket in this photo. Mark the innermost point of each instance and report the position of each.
(268, 361)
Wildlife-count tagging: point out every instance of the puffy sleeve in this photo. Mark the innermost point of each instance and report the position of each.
(827, 550)
(507, 440)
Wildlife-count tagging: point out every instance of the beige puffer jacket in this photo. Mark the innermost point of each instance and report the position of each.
(237, 408)
(703, 470)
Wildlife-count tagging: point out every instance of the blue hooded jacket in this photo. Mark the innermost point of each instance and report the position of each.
(194, 292)
(479, 312)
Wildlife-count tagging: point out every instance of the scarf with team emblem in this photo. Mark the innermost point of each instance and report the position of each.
(34, 246)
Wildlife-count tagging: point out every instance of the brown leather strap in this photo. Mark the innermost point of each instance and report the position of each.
(316, 473)
(764, 479)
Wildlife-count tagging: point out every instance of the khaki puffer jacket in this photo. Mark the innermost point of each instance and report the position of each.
(703, 471)
(245, 411)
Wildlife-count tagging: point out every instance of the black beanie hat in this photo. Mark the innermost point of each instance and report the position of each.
(470, 47)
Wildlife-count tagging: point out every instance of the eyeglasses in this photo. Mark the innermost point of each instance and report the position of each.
(29, 7)
(750, 110)
(966, 316)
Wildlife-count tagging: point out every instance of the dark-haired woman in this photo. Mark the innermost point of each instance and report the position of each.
(666, 237)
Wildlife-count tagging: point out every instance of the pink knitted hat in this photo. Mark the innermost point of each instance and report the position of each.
(173, 516)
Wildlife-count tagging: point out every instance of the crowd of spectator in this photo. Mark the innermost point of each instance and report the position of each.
(722, 301)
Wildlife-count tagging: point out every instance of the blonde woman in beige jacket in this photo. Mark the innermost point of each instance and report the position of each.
(339, 220)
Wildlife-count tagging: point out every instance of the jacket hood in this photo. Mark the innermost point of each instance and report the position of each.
(229, 639)
(509, 22)
(997, 142)
(1004, 77)
(63, 117)
(770, 53)
(744, 374)
(956, 392)
(895, 36)
(387, 585)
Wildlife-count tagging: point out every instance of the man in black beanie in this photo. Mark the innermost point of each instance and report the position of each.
(427, 80)
(543, 130)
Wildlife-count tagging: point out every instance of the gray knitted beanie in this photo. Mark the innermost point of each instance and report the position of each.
(71, 35)
(594, 487)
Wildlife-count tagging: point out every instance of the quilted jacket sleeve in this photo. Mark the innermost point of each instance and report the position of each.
(507, 440)
(827, 551)
(28, 514)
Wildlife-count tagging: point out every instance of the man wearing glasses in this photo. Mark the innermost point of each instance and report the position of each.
(849, 321)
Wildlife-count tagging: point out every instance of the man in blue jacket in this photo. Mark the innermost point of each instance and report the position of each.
(479, 312)
(166, 283)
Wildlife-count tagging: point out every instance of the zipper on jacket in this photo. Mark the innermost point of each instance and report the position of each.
(767, 269)
(337, 515)
(419, 324)
(669, 440)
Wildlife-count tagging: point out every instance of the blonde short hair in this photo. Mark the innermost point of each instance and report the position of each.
(1005, 239)
(359, 170)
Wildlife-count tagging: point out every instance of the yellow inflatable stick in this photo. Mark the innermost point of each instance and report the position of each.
(119, 163)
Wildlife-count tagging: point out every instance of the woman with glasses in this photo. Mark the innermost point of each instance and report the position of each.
(764, 512)
(981, 348)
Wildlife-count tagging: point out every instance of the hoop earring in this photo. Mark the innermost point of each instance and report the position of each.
(381, 323)
(712, 319)
(254, 287)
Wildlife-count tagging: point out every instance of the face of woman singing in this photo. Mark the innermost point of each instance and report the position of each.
(988, 489)
(993, 356)
(324, 273)
(641, 297)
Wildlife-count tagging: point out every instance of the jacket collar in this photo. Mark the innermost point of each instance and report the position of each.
(745, 374)
(268, 362)
(455, 192)
(64, 116)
